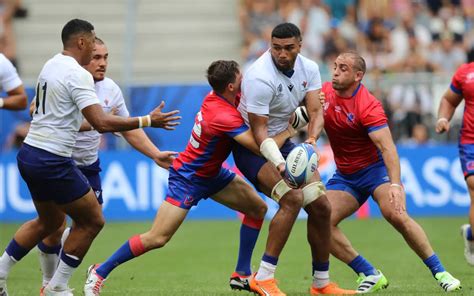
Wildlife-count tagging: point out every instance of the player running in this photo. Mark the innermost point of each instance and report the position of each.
(86, 151)
(57, 187)
(367, 164)
(462, 87)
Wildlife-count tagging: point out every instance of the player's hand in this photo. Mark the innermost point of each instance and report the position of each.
(397, 198)
(164, 120)
(312, 141)
(322, 98)
(281, 169)
(442, 125)
(165, 158)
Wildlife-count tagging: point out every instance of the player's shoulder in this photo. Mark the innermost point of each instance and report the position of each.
(261, 69)
(308, 64)
(4, 60)
(465, 68)
(108, 83)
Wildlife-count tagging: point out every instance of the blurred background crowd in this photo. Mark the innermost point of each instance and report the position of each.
(412, 47)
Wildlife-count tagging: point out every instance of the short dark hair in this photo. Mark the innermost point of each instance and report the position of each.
(74, 27)
(359, 62)
(220, 73)
(286, 30)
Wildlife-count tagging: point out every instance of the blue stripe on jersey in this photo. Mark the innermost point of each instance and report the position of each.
(375, 128)
(190, 169)
(237, 131)
(356, 90)
(455, 89)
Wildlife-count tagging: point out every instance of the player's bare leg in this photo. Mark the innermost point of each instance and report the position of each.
(167, 221)
(240, 196)
(466, 229)
(415, 237)
(344, 205)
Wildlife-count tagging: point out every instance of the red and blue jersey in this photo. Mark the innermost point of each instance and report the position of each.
(462, 83)
(216, 124)
(348, 122)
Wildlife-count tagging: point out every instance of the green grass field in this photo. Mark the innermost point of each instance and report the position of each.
(201, 256)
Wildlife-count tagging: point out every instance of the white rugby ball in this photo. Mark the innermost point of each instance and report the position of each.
(301, 163)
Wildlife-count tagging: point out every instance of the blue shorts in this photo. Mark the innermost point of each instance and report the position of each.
(250, 163)
(92, 174)
(466, 156)
(51, 177)
(360, 184)
(186, 193)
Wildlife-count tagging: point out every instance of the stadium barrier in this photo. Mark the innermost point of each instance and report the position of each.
(134, 187)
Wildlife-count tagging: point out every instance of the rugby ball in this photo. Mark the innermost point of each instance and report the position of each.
(301, 163)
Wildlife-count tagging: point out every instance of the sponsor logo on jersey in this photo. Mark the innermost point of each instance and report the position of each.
(337, 109)
(290, 87)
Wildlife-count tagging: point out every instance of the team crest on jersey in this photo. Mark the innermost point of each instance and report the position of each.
(470, 165)
(304, 84)
(350, 118)
(290, 87)
(188, 200)
(280, 88)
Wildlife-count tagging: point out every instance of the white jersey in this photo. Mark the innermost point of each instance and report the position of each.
(9, 78)
(63, 89)
(267, 91)
(87, 143)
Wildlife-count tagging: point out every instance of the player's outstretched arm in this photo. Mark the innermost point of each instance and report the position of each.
(382, 138)
(140, 141)
(315, 113)
(447, 106)
(16, 99)
(103, 122)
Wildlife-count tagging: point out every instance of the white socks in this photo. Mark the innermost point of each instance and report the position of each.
(48, 264)
(62, 275)
(266, 271)
(6, 263)
(320, 279)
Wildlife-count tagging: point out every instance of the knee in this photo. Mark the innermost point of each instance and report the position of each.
(320, 208)
(398, 220)
(292, 201)
(50, 226)
(95, 225)
(260, 211)
(151, 241)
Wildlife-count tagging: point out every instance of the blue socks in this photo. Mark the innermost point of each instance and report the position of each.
(123, 254)
(434, 264)
(248, 239)
(16, 251)
(360, 265)
(49, 249)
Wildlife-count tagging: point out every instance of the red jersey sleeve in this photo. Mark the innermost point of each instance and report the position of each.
(372, 115)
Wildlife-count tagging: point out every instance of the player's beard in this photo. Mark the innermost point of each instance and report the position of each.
(287, 67)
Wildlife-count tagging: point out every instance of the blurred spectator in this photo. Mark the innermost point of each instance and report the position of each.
(409, 37)
(339, 8)
(313, 20)
(419, 136)
(256, 16)
(377, 45)
(447, 56)
(411, 104)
